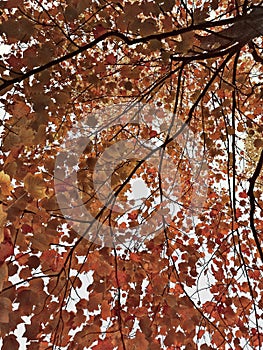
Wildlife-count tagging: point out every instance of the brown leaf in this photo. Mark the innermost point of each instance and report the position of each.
(10, 343)
(105, 309)
(10, 4)
(3, 216)
(31, 331)
(3, 275)
(258, 143)
(138, 343)
(35, 185)
(27, 299)
(145, 324)
(6, 246)
(20, 29)
(5, 307)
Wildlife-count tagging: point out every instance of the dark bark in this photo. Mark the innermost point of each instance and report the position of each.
(243, 31)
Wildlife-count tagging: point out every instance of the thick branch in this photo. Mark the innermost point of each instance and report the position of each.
(251, 195)
(257, 15)
(243, 31)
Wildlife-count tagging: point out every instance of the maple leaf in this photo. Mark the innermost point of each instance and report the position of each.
(3, 216)
(6, 246)
(5, 184)
(20, 29)
(99, 30)
(111, 59)
(52, 259)
(184, 74)
(26, 228)
(153, 133)
(5, 307)
(10, 342)
(35, 185)
(3, 275)
(13, 4)
(104, 345)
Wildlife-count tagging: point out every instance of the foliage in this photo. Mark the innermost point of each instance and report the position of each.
(197, 284)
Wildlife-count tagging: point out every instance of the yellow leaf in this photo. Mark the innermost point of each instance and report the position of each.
(35, 185)
(2, 235)
(5, 184)
(3, 216)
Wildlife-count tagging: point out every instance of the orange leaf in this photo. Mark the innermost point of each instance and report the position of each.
(5, 184)
(3, 275)
(35, 185)
(6, 247)
(105, 309)
(103, 345)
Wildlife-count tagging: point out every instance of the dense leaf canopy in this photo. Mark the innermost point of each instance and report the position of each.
(195, 279)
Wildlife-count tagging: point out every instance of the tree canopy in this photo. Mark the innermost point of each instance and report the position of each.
(96, 95)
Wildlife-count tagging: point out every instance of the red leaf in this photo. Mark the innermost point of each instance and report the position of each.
(53, 259)
(122, 277)
(26, 228)
(153, 133)
(111, 59)
(15, 62)
(243, 194)
(103, 345)
(123, 226)
(99, 30)
(133, 215)
(135, 257)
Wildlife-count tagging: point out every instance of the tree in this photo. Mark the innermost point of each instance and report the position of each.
(193, 279)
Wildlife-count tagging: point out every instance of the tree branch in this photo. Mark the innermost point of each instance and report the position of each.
(130, 42)
(251, 195)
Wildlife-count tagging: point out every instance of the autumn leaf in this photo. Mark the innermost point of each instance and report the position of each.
(83, 81)
(5, 184)
(186, 42)
(19, 107)
(52, 259)
(35, 185)
(10, 342)
(133, 215)
(3, 275)
(104, 345)
(20, 29)
(26, 228)
(258, 143)
(139, 342)
(5, 307)
(99, 30)
(13, 4)
(105, 309)
(111, 59)
(6, 246)
(3, 216)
